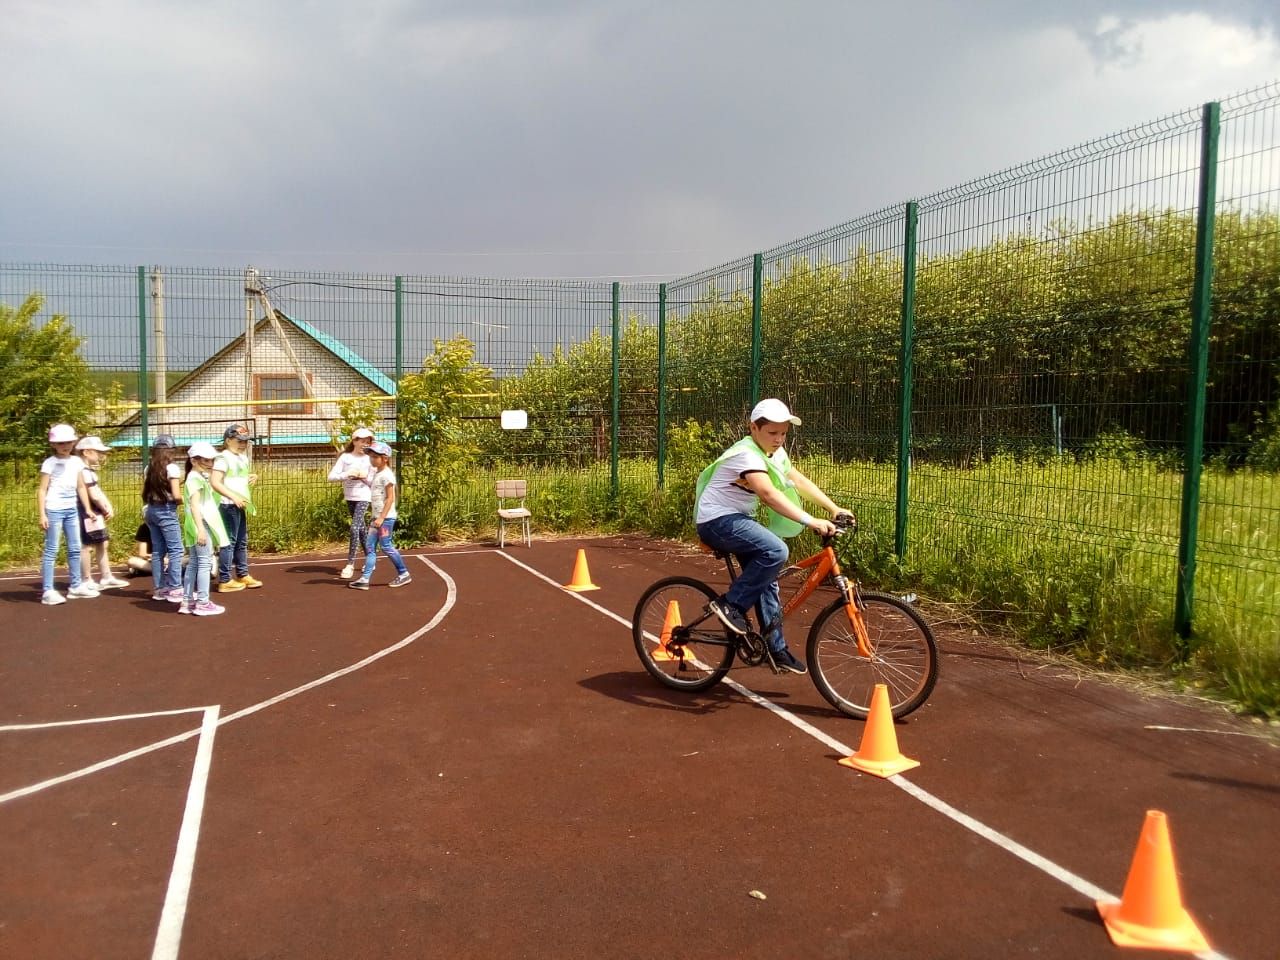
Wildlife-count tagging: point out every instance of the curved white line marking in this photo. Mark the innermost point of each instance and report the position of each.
(450, 599)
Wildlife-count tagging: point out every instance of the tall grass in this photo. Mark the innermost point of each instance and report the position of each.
(1079, 558)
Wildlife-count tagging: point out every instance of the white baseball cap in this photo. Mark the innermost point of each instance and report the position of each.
(93, 443)
(202, 449)
(62, 433)
(362, 432)
(773, 410)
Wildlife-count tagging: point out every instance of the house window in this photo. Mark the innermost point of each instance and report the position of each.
(280, 386)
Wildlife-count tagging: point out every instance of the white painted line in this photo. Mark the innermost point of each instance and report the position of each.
(450, 600)
(1059, 873)
(123, 716)
(169, 932)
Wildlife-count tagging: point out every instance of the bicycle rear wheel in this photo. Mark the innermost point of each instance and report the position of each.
(904, 656)
(699, 649)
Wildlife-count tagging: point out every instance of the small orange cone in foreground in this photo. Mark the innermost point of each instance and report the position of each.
(1150, 913)
(581, 576)
(878, 753)
(662, 652)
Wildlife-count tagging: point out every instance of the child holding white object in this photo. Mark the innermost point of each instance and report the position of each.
(354, 471)
(93, 524)
(202, 531)
(60, 492)
(382, 499)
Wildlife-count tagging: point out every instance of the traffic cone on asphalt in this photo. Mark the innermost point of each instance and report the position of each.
(1150, 912)
(662, 653)
(878, 753)
(581, 576)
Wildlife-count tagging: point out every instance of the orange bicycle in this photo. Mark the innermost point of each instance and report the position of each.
(859, 640)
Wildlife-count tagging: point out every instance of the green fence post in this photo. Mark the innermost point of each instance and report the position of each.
(615, 391)
(906, 372)
(757, 347)
(399, 349)
(143, 396)
(662, 382)
(1198, 362)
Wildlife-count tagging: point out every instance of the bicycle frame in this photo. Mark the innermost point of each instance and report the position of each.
(820, 565)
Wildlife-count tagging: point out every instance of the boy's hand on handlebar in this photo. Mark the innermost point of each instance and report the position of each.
(845, 520)
(824, 527)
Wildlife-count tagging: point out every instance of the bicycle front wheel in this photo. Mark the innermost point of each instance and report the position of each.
(904, 656)
(681, 645)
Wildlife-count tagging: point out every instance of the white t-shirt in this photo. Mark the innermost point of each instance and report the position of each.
(353, 488)
(378, 492)
(723, 495)
(63, 473)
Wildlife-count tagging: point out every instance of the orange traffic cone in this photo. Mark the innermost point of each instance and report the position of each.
(878, 753)
(662, 652)
(581, 576)
(1150, 913)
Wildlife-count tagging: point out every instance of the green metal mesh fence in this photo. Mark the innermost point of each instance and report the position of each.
(1040, 325)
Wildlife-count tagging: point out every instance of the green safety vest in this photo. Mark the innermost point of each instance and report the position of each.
(237, 478)
(778, 476)
(210, 514)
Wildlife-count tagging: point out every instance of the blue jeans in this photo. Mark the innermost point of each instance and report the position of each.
(166, 542)
(762, 555)
(236, 552)
(61, 523)
(376, 538)
(195, 587)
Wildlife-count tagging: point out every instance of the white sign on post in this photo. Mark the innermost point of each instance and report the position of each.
(515, 419)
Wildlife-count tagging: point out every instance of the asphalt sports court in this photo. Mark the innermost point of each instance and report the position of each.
(478, 766)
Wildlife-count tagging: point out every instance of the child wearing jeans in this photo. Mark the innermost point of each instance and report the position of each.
(58, 497)
(382, 499)
(93, 523)
(201, 527)
(161, 494)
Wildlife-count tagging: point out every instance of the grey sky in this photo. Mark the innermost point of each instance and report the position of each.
(552, 137)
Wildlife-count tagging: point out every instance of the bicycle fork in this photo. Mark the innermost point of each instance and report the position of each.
(853, 610)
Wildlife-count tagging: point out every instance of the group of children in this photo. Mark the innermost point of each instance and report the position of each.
(215, 490)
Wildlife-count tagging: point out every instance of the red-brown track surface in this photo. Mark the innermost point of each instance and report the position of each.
(511, 783)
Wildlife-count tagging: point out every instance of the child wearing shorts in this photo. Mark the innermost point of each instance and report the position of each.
(93, 524)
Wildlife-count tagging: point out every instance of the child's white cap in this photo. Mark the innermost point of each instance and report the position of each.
(773, 410)
(362, 432)
(93, 443)
(202, 450)
(62, 433)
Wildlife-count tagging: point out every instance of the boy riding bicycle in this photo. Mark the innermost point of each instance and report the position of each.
(730, 490)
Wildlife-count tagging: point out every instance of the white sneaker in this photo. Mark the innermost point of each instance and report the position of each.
(83, 592)
(51, 598)
(91, 583)
(347, 572)
(112, 583)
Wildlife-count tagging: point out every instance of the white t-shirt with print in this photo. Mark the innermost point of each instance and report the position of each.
(64, 472)
(378, 492)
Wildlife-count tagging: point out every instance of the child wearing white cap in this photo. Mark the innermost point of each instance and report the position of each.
(354, 471)
(729, 492)
(93, 522)
(60, 492)
(202, 530)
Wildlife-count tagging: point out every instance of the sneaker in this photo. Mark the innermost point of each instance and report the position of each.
(401, 580)
(51, 598)
(729, 615)
(230, 586)
(347, 572)
(91, 584)
(207, 608)
(175, 595)
(360, 584)
(161, 594)
(184, 606)
(786, 661)
(112, 583)
(249, 582)
(82, 592)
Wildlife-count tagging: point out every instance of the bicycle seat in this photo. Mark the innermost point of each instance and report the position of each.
(708, 548)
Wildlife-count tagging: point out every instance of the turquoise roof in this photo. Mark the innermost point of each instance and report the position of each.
(348, 356)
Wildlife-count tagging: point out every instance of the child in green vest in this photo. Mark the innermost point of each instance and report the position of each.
(202, 531)
(232, 478)
(730, 490)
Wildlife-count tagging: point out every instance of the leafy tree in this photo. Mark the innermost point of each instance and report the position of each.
(43, 378)
(437, 445)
